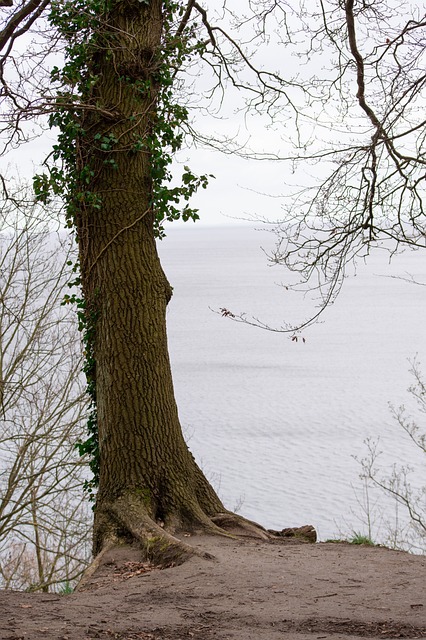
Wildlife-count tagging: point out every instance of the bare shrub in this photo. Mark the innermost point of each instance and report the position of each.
(407, 527)
(43, 521)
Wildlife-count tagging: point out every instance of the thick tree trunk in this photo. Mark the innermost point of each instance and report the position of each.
(149, 481)
(149, 485)
(143, 456)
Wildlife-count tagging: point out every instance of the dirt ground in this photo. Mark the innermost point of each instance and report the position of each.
(252, 591)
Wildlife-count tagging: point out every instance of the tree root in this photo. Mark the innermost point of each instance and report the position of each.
(94, 565)
(238, 526)
(126, 521)
(158, 545)
(306, 533)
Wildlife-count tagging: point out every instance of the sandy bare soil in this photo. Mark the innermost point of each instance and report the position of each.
(252, 591)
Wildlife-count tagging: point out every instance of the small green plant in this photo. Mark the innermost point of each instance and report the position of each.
(66, 589)
(359, 538)
(334, 540)
(356, 538)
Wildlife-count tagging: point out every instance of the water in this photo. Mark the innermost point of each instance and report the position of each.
(274, 423)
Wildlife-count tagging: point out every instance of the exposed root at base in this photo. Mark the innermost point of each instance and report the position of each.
(126, 522)
(306, 533)
(238, 526)
(94, 565)
(158, 545)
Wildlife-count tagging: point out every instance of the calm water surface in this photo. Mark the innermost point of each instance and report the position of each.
(276, 424)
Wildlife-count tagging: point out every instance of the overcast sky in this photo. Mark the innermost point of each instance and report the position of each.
(240, 189)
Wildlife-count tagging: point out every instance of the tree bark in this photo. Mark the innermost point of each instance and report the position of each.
(149, 482)
(150, 486)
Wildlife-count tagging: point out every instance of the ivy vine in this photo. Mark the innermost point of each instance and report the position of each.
(80, 24)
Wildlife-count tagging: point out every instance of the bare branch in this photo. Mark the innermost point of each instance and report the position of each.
(34, 7)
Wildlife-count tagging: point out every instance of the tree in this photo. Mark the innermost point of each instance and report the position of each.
(360, 128)
(114, 105)
(119, 103)
(116, 113)
(43, 523)
(149, 483)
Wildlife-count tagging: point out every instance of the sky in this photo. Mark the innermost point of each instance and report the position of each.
(248, 190)
(240, 189)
